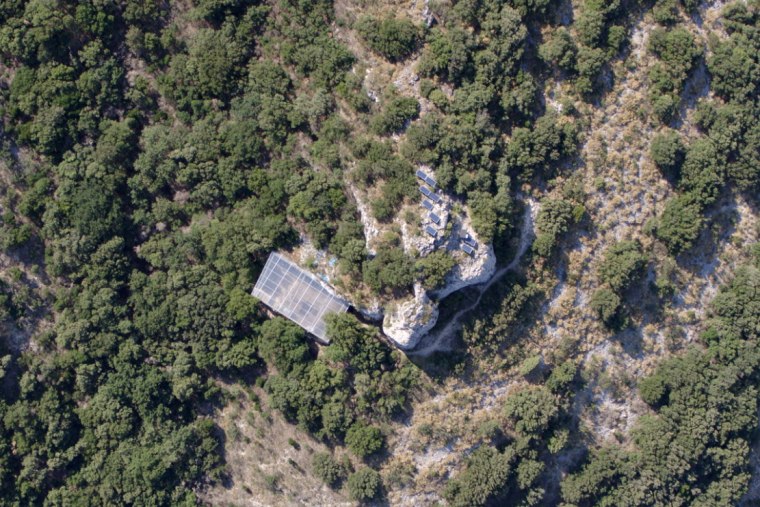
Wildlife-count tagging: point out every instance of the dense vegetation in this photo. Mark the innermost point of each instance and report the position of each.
(694, 450)
(155, 153)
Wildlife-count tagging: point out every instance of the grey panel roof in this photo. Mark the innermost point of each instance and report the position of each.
(430, 181)
(468, 249)
(427, 204)
(435, 218)
(421, 175)
(297, 295)
(435, 197)
(468, 239)
(426, 192)
(431, 231)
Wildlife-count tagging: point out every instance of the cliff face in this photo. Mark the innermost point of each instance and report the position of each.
(407, 321)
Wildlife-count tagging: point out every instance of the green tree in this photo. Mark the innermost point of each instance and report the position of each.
(560, 50)
(364, 484)
(393, 38)
(532, 410)
(667, 152)
(606, 304)
(395, 115)
(364, 440)
(389, 270)
(680, 223)
(623, 263)
(484, 478)
(327, 469)
(435, 267)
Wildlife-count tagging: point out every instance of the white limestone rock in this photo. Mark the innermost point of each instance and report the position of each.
(409, 320)
(470, 270)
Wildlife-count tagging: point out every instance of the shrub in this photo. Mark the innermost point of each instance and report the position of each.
(665, 12)
(605, 303)
(395, 115)
(485, 476)
(667, 152)
(677, 49)
(364, 440)
(435, 267)
(364, 484)
(652, 390)
(561, 378)
(530, 365)
(532, 410)
(554, 219)
(327, 469)
(664, 107)
(623, 263)
(395, 39)
(702, 171)
(680, 223)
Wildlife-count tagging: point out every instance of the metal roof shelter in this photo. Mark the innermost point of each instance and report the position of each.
(427, 204)
(468, 239)
(435, 218)
(435, 197)
(431, 231)
(297, 295)
(426, 192)
(421, 175)
(430, 181)
(468, 249)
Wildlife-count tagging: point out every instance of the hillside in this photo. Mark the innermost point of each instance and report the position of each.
(544, 215)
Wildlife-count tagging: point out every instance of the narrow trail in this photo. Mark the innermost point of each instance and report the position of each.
(442, 340)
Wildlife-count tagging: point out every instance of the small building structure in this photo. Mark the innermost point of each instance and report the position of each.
(297, 295)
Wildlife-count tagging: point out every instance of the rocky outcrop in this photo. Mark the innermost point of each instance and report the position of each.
(411, 319)
(470, 269)
(407, 321)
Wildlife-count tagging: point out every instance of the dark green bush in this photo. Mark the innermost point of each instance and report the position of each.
(327, 469)
(364, 440)
(667, 152)
(485, 477)
(532, 410)
(623, 263)
(393, 38)
(606, 304)
(680, 223)
(395, 115)
(364, 484)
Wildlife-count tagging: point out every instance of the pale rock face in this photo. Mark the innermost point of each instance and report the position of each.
(371, 228)
(469, 271)
(410, 319)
